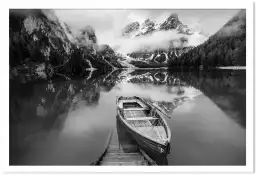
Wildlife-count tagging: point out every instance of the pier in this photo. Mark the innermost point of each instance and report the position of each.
(122, 150)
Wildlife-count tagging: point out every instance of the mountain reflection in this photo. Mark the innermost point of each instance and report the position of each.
(38, 105)
(225, 88)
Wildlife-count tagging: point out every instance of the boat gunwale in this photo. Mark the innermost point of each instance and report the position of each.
(139, 137)
(168, 139)
(165, 123)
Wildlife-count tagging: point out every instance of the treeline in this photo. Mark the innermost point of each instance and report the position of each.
(35, 40)
(32, 39)
(225, 48)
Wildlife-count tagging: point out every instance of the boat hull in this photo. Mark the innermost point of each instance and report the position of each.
(145, 143)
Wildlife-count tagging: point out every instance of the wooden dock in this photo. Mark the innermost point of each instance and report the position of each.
(122, 150)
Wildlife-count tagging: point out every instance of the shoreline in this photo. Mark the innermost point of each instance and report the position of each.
(233, 67)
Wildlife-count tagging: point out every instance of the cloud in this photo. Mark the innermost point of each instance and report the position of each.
(156, 40)
(108, 20)
(100, 20)
(108, 24)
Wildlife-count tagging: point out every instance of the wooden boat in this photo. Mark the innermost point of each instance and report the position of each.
(145, 123)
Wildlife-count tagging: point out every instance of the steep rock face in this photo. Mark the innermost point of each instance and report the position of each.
(87, 39)
(107, 53)
(172, 23)
(37, 38)
(147, 27)
(136, 29)
(227, 47)
(131, 28)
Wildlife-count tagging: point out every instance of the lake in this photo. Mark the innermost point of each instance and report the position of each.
(66, 121)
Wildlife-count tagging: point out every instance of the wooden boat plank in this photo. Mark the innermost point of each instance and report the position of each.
(122, 159)
(142, 118)
(130, 149)
(156, 132)
(123, 154)
(152, 134)
(143, 127)
(135, 109)
(120, 151)
(143, 162)
(132, 114)
(132, 101)
(140, 123)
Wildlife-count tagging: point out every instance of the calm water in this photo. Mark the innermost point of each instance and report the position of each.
(65, 121)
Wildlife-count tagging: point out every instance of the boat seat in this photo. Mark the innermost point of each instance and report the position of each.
(135, 109)
(142, 118)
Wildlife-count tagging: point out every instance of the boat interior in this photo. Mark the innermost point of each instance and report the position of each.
(143, 118)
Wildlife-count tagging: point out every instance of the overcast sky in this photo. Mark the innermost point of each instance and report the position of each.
(109, 23)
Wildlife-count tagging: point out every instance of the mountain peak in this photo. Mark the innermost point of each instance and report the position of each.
(130, 28)
(148, 21)
(172, 22)
(148, 26)
(173, 16)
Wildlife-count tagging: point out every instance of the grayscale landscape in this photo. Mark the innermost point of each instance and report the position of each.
(74, 73)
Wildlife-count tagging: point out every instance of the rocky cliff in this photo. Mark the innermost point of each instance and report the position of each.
(148, 26)
(176, 47)
(39, 41)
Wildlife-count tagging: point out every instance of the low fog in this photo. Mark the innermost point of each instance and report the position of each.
(157, 40)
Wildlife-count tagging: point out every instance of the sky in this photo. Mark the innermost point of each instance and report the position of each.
(108, 24)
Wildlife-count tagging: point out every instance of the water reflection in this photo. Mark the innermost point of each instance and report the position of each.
(65, 105)
(227, 89)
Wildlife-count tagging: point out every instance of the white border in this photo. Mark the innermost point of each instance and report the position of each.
(99, 4)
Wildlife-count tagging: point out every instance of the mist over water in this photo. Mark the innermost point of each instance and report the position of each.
(66, 122)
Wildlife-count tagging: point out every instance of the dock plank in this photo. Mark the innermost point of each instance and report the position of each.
(122, 155)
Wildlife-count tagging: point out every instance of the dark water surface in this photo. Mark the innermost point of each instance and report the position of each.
(64, 121)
